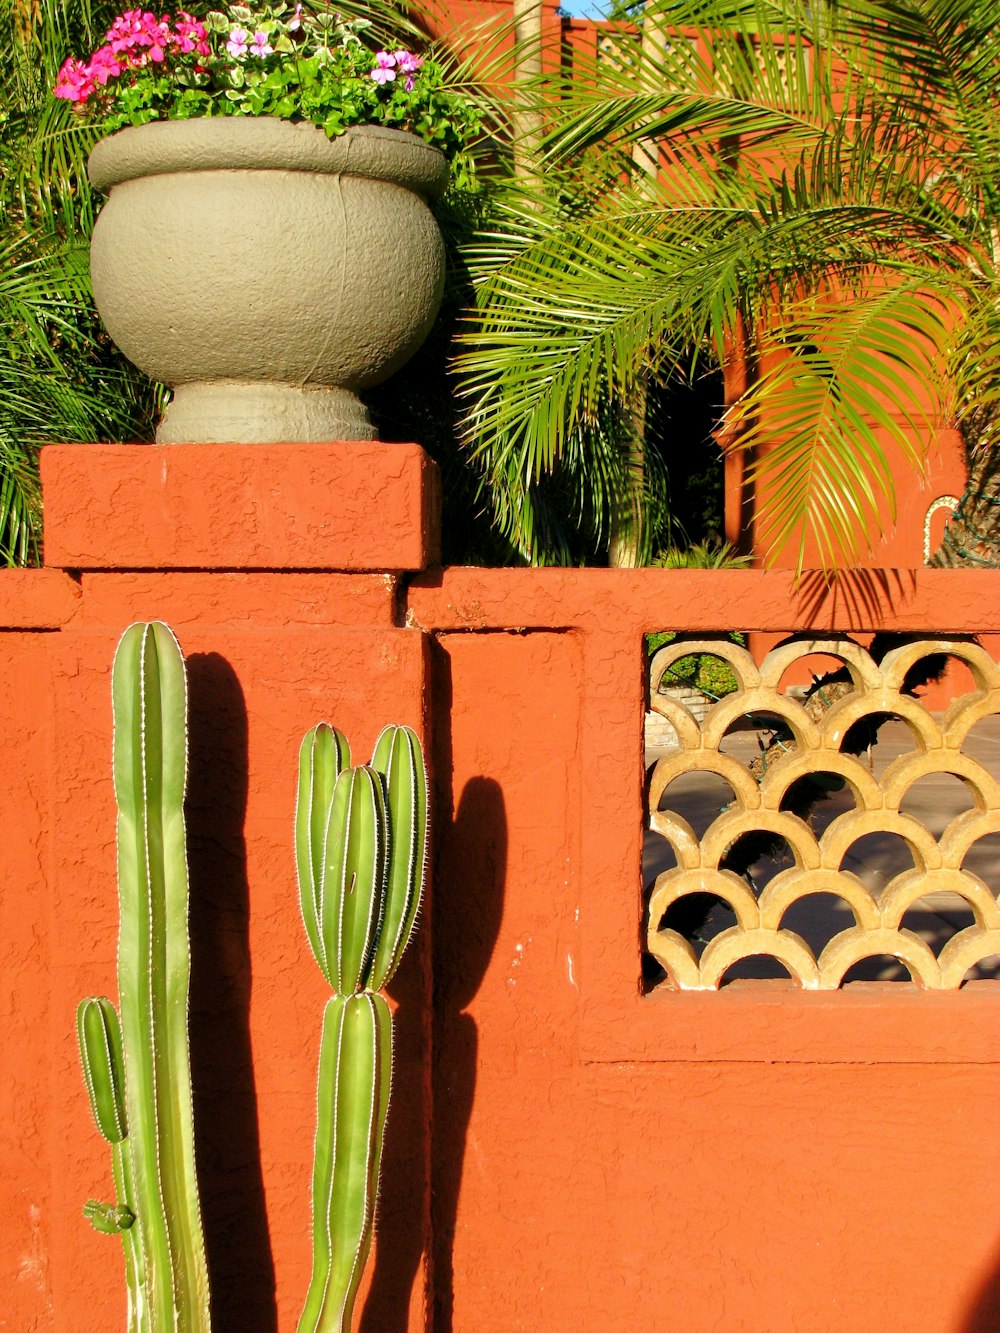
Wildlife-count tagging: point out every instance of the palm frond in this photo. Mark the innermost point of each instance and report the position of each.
(803, 150)
(844, 388)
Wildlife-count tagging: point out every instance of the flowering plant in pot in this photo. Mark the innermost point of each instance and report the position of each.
(293, 136)
(298, 64)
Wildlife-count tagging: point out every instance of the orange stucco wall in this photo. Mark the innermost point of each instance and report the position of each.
(564, 1153)
(746, 1161)
(269, 654)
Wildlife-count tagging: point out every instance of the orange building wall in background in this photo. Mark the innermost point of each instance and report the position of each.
(575, 43)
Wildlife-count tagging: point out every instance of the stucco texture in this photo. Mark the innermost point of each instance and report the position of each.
(563, 1152)
(246, 252)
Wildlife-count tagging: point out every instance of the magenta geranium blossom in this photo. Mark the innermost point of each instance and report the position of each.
(141, 36)
(191, 34)
(297, 61)
(134, 40)
(74, 82)
(104, 65)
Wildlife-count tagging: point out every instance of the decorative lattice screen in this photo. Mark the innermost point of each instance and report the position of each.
(810, 742)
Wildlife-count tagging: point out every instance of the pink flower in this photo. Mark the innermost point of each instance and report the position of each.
(237, 44)
(191, 34)
(260, 45)
(122, 33)
(104, 65)
(407, 62)
(385, 68)
(140, 35)
(73, 81)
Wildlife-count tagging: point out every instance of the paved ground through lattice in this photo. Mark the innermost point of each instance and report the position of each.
(935, 800)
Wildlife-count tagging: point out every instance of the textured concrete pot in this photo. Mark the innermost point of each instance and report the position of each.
(265, 272)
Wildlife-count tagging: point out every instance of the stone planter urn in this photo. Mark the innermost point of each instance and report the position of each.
(264, 272)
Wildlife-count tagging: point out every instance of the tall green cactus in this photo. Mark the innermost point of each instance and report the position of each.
(139, 1078)
(361, 848)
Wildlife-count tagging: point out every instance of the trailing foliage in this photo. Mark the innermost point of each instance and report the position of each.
(60, 378)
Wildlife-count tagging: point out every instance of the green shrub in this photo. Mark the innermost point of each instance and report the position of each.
(702, 671)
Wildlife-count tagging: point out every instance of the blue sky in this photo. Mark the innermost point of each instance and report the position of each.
(584, 9)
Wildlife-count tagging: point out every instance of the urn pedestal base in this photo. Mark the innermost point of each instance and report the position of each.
(235, 412)
(342, 505)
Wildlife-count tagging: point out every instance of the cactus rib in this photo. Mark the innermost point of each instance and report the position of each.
(398, 757)
(352, 891)
(324, 753)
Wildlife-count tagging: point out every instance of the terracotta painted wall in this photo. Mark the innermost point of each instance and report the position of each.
(754, 1165)
(269, 654)
(755, 1160)
(565, 1154)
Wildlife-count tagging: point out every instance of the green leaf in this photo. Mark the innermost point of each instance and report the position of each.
(594, 277)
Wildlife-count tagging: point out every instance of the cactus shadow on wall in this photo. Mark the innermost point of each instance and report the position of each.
(984, 1316)
(478, 834)
(467, 892)
(240, 1261)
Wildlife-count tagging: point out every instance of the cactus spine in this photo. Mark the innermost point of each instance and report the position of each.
(361, 846)
(139, 1080)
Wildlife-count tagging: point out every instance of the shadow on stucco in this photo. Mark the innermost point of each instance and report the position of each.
(466, 910)
(984, 1316)
(241, 1266)
(859, 594)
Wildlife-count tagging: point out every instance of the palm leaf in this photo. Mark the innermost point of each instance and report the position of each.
(804, 149)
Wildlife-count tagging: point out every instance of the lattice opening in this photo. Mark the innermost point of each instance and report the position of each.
(758, 857)
(987, 969)
(699, 917)
(756, 967)
(801, 674)
(818, 918)
(876, 737)
(839, 827)
(877, 967)
(983, 859)
(698, 798)
(982, 744)
(937, 799)
(879, 858)
(936, 917)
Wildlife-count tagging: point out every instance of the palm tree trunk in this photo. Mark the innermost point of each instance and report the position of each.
(626, 538)
(527, 116)
(972, 536)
